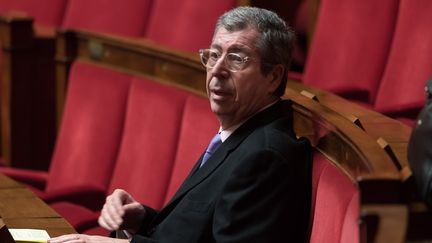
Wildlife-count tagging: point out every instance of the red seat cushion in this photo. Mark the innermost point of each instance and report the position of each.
(77, 216)
(188, 24)
(410, 61)
(91, 128)
(97, 231)
(350, 47)
(45, 12)
(126, 17)
(149, 141)
(336, 208)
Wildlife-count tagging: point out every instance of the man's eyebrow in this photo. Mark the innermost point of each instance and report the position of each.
(215, 46)
(233, 48)
(237, 49)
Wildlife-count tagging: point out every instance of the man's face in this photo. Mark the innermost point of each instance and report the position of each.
(235, 96)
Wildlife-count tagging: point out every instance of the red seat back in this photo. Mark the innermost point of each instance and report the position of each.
(45, 12)
(335, 205)
(350, 47)
(149, 142)
(126, 17)
(410, 60)
(185, 24)
(91, 128)
(198, 126)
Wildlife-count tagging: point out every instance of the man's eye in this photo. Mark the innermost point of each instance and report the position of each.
(213, 55)
(235, 58)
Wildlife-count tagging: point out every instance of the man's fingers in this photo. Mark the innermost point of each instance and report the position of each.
(109, 221)
(72, 238)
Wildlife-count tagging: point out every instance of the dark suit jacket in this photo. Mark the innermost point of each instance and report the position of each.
(420, 149)
(255, 188)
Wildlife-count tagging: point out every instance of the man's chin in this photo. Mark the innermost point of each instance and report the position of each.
(218, 109)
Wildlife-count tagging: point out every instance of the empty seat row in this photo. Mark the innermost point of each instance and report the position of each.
(173, 24)
(377, 53)
(120, 131)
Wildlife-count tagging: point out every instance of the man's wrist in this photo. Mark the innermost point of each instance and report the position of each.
(124, 234)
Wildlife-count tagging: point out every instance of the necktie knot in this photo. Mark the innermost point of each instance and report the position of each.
(214, 144)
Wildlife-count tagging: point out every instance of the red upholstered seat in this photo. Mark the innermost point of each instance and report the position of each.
(148, 148)
(45, 12)
(150, 140)
(126, 17)
(185, 24)
(88, 140)
(410, 62)
(198, 126)
(350, 47)
(79, 217)
(336, 204)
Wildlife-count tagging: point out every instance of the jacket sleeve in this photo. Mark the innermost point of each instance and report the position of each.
(267, 199)
(420, 152)
(141, 235)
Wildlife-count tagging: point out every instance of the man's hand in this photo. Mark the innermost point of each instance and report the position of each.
(77, 238)
(121, 212)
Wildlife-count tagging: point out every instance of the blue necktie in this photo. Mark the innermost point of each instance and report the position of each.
(214, 144)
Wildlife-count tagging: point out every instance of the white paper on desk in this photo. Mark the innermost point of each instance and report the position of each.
(29, 235)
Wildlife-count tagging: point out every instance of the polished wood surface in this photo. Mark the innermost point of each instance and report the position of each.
(20, 208)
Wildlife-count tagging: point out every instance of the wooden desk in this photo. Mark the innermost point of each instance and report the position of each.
(6, 182)
(20, 208)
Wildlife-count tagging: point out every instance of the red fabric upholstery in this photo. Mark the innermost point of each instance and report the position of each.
(350, 47)
(148, 146)
(45, 12)
(77, 216)
(89, 137)
(319, 164)
(97, 231)
(336, 210)
(410, 61)
(91, 129)
(35, 179)
(149, 142)
(87, 143)
(198, 127)
(185, 24)
(126, 17)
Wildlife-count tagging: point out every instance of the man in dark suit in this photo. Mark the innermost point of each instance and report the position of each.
(254, 182)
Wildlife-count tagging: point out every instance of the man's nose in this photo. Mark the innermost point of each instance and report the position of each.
(220, 68)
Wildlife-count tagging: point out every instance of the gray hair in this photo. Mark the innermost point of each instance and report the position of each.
(276, 42)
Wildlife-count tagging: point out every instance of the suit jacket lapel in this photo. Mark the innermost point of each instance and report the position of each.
(199, 174)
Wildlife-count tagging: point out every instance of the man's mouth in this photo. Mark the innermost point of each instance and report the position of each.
(219, 94)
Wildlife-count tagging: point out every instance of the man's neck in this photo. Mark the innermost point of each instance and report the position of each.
(226, 132)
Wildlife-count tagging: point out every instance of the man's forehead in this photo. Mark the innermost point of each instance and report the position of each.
(235, 40)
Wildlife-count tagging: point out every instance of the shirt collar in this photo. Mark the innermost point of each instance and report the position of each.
(224, 134)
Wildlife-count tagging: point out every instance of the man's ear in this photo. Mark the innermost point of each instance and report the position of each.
(275, 77)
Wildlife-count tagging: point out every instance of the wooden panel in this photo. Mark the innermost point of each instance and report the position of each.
(25, 207)
(16, 192)
(20, 208)
(6, 182)
(27, 96)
